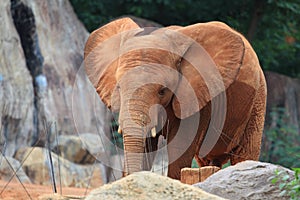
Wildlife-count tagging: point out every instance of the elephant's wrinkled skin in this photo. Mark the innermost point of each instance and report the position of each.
(136, 72)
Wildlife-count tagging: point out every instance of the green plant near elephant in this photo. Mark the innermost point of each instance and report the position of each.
(281, 141)
(116, 139)
(288, 185)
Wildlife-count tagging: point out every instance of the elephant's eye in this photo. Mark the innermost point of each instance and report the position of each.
(179, 63)
(162, 91)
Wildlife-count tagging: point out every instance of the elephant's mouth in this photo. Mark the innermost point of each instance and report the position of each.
(153, 131)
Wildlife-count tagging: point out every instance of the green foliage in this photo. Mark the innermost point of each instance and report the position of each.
(281, 142)
(117, 138)
(195, 164)
(277, 41)
(272, 26)
(226, 165)
(289, 186)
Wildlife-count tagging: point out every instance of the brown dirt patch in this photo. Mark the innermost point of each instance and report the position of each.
(15, 190)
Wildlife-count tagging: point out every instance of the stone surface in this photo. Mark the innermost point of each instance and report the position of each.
(147, 185)
(69, 100)
(282, 116)
(10, 169)
(71, 147)
(43, 88)
(283, 92)
(37, 166)
(245, 180)
(52, 197)
(88, 148)
(16, 89)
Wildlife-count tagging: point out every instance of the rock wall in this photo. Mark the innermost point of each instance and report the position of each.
(16, 89)
(283, 92)
(43, 87)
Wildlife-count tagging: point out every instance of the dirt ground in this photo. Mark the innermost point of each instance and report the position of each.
(15, 190)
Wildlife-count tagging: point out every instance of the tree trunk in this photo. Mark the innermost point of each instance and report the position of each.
(257, 14)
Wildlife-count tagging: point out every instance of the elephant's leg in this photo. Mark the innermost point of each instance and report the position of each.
(181, 147)
(178, 162)
(150, 152)
(249, 147)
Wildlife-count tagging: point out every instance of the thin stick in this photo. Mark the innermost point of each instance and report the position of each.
(50, 160)
(58, 158)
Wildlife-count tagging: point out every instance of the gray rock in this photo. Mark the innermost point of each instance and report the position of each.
(10, 168)
(71, 148)
(42, 81)
(284, 93)
(16, 89)
(114, 171)
(70, 99)
(36, 165)
(147, 185)
(245, 180)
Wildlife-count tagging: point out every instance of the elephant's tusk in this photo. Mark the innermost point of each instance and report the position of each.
(119, 130)
(153, 132)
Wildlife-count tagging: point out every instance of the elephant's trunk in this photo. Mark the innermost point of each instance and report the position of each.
(133, 152)
(133, 121)
(134, 138)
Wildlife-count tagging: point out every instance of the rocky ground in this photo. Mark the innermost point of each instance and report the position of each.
(147, 185)
(246, 180)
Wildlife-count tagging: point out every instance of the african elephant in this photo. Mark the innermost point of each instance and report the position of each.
(200, 86)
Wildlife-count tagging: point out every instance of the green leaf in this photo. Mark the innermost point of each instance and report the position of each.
(274, 180)
(296, 187)
(282, 193)
(282, 185)
(285, 177)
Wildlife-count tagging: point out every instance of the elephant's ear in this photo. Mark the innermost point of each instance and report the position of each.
(101, 55)
(209, 66)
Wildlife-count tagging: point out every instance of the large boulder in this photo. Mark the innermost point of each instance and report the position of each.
(10, 169)
(82, 148)
(36, 164)
(245, 180)
(147, 185)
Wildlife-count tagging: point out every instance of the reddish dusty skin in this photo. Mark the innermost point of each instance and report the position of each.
(15, 191)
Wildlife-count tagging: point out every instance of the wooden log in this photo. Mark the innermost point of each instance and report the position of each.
(194, 175)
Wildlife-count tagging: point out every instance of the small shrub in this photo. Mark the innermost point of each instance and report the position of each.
(289, 186)
(281, 141)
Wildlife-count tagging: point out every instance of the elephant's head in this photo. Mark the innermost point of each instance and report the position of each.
(138, 72)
